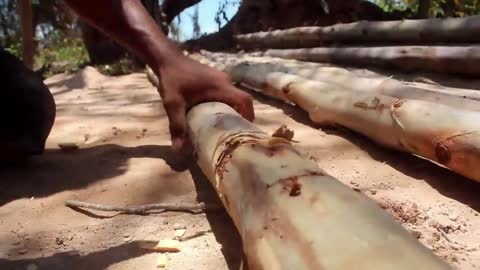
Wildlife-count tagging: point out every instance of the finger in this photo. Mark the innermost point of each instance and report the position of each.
(176, 112)
(242, 103)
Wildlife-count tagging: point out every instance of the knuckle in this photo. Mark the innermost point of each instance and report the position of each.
(171, 103)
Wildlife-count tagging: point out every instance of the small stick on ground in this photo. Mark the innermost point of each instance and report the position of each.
(144, 209)
(194, 235)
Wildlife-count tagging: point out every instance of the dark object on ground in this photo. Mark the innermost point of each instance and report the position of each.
(27, 110)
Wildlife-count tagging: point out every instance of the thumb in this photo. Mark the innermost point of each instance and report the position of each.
(176, 112)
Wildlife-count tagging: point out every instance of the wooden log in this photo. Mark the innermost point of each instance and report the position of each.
(290, 213)
(462, 60)
(238, 65)
(451, 30)
(443, 134)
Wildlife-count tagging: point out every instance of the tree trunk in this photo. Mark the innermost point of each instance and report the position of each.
(28, 48)
(289, 213)
(101, 49)
(172, 8)
(461, 60)
(453, 30)
(424, 8)
(446, 135)
(459, 98)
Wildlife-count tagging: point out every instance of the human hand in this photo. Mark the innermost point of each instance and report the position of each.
(185, 83)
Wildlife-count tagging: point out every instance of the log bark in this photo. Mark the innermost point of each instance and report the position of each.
(459, 98)
(460, 60)
(451, 30)
(445, 135)
(289, 213)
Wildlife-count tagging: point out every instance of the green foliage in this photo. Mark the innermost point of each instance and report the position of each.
(123, 66)
(438, 8)
(61, 53)
(15, 49)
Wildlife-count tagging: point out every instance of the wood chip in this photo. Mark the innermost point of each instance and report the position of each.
(284, 132)
(162, 261)
(161, 246)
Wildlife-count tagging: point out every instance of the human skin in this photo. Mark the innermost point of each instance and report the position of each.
(185, 82)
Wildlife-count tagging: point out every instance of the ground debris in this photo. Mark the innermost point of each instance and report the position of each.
(167, 245)
(144, 209)
(162, 261)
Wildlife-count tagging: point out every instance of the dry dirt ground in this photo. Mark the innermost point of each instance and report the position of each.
(125, 159)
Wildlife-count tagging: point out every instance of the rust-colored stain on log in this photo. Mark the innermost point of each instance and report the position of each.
(399, 103)
(293, 186)
(276, 222)
(442, 153)
(375, 105)
(225, 157)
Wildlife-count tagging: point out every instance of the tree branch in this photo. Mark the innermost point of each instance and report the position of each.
(172, 8)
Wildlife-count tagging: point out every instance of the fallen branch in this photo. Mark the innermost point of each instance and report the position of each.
(451, 30)
(290, 213)
(144, 209)
(463, 60)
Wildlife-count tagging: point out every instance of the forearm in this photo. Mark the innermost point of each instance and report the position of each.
(127, 22)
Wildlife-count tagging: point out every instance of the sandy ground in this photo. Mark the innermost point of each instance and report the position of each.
(125, 159)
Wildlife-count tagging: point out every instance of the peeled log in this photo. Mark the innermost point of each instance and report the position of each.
(451, 30)
(289, 213)
(446, 135)
(239, 65)
(463, 60)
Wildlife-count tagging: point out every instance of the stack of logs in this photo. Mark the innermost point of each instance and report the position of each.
(289, 212)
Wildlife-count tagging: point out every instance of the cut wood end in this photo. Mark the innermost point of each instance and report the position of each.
(284, 132)
(162, 261)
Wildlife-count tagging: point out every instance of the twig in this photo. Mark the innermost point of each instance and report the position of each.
(194, 235)
(188, 207)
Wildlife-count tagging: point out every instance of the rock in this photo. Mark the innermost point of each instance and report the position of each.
(416, 234)
(179, 233)
(22, 251)
(453, 217)
(58, 241)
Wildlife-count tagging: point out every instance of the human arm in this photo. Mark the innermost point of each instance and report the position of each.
(185, 83)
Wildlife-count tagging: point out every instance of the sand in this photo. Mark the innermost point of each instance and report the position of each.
(124, 158)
